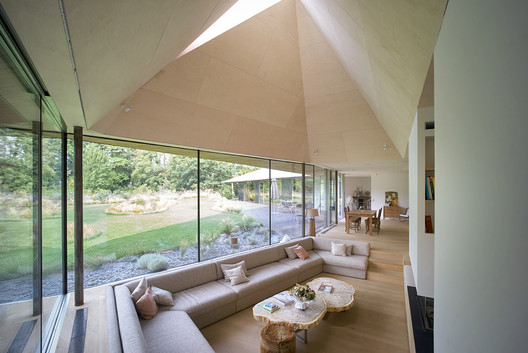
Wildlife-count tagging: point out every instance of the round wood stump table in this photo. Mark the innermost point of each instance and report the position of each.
(277, 339)
(341, 297)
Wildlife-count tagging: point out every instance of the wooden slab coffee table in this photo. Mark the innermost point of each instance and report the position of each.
(288, 315)
(340, 299)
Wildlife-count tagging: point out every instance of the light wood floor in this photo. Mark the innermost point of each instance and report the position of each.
(376, 323)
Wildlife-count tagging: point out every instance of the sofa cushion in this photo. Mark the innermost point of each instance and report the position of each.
(301, 253)
(181, 278)
(359, 262)
(146, 305)
(203, 298)
(290, 251)
(226, 267)
(264, 276)
(338, 249)
(236, 276)
(140, 289)
(305, 242)
(253, 258)
(302, 265)
(174, 332)
(162, 296)
(358, 247)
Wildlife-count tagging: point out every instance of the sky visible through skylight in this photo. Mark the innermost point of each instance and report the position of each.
(241, 11)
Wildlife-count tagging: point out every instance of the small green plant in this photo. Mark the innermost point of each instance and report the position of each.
(209, 236)
(227, 226)
(252, 240)
(154, 262)
(184, 246)
(233, 210)
(94, 262)
(247, 223)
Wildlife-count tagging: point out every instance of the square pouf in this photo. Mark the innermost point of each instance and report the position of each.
(277, 339)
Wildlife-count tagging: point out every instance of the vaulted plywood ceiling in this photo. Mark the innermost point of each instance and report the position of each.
(330, 82)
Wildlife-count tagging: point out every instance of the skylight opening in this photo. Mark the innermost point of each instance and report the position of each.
(241, 11)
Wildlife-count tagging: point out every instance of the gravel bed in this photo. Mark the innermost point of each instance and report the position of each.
(22, 288)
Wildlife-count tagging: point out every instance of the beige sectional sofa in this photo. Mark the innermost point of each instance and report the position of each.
(202, 296)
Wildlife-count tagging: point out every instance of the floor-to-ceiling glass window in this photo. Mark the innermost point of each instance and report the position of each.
(321, 197)
(340, 195)
(52, 227)
(31, 249)
(286, 215)
(332, 196)
(140, 210)
(234, 204)
(309, 172)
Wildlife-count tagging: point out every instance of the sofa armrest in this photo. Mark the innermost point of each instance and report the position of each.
(114, 338)
(132, 338)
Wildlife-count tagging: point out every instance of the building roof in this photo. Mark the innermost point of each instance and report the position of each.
(263, 174)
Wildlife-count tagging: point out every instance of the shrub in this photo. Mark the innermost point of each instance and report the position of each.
(89, 231)
(247, 223)
(233, 210)
(94, 262)
(252, 240)
(154, 262)
(227, 226)
(184, 245)
(209, 236)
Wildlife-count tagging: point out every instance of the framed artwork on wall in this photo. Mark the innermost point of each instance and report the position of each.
(391, 198)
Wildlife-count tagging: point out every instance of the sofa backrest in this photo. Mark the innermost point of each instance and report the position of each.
(253, 258)
(358, 247)
(181, 278)
(305, 242)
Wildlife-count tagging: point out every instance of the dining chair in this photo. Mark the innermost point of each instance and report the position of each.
(376, 222)
(353, 222)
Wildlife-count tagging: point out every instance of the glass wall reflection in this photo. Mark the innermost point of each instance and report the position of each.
(140, 211)
(20, 281)
(287, 211)
(234, 204)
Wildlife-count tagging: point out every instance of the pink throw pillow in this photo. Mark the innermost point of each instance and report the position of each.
(301, 252)
(146, 306)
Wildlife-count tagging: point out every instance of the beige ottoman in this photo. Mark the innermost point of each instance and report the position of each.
(277, 339)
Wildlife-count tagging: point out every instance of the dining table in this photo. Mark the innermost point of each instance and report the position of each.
(360, 213)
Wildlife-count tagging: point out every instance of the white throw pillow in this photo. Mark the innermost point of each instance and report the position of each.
(289, 251)
(162, 296)
(140, 290)
(237, 276)
(339, 249)
(226, 267)
(349, 250)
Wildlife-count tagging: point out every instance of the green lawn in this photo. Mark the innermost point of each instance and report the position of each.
(120, 236)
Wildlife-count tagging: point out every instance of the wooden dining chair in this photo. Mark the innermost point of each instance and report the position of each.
(376, 222)
(353, 222)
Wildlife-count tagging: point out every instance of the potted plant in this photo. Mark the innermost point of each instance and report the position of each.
(303, 295)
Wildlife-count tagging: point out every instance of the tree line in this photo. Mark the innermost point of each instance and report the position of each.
(108, 168)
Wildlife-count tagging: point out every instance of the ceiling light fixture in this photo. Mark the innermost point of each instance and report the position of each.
(384, 147)
(126, 108)
(241, 11)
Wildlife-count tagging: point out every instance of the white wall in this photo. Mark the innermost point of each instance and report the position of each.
(351, 183)
(481, 120)
(389, 181)
(421, 245)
